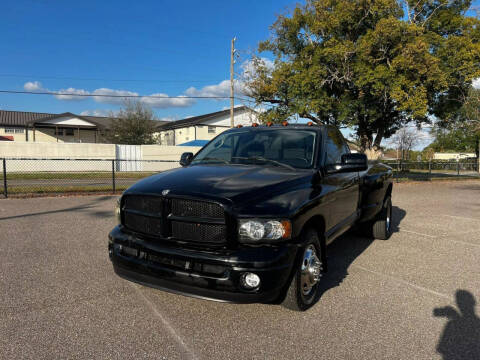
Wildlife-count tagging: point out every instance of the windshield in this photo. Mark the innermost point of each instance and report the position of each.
(283, 148)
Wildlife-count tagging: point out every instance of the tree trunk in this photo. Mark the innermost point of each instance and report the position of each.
(365, 142)
(378, 139)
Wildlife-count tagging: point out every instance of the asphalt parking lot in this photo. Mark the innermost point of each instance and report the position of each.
(410, 297)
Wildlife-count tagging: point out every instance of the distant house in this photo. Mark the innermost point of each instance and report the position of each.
(203, 127)
(453, 156)
(44, 127)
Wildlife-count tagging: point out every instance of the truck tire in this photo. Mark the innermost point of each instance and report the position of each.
(382, 226)
(303, 291)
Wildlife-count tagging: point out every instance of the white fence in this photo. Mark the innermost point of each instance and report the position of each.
(64, 153)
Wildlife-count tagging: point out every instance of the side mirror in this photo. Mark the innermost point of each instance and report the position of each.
(186, 158)
(350, 163)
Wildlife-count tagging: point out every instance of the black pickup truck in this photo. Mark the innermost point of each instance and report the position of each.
(249, 217)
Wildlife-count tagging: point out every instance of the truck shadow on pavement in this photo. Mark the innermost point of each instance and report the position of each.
(460, 338)
(344, 250)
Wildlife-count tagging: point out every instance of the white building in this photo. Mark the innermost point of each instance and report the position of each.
(453, 156)
(203, 127)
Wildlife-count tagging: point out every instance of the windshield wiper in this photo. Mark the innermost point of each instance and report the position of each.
(213, 159)
(261, 158)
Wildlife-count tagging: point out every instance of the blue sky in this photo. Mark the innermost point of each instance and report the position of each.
(144, 47)
(125, 47)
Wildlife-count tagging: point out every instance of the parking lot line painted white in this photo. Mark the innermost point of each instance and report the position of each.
(442, 237)
(165, 322)
(417, 233)
(401, 281)
(462, 217)
(463, 242)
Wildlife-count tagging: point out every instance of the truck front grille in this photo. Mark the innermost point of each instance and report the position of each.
(174, 219)
(198, 209)
(143, 203)
(204, 233)
(143, 224)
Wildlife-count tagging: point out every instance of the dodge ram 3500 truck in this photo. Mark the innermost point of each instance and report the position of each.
(249, 217)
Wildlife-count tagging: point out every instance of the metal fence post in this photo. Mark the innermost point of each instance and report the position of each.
(113, 176)
(458, 168)
(5, 190)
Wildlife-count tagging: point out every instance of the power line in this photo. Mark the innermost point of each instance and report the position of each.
(102, 79)
(111, 96)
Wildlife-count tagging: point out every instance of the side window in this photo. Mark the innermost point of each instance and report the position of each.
(335, 146)
(222, 148)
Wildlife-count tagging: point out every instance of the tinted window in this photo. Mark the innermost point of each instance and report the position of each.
(292, 147)
(335, 146)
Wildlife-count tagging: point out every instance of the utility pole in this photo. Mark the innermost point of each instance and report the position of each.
(232, 100)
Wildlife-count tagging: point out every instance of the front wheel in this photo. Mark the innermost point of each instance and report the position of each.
(382, 227)
(304, 288)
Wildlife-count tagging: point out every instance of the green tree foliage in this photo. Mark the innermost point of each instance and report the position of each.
(456, 138)
(134, 124)
(470, 111)
(374, 65)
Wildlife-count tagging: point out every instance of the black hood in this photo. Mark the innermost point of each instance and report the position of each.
(236, 183)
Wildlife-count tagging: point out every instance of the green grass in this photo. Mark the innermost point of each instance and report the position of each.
(76, 175)
(16, 190)
(424, 175)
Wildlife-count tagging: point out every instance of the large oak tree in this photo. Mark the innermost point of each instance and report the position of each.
(373, 65)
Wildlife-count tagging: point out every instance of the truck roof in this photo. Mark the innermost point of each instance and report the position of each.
(280, 127)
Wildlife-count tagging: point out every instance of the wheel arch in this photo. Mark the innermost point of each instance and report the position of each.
(388, 193)
(317, 222)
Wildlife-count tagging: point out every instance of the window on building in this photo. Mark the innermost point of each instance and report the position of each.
(19, 130)
(211, 129)
(58, 131)
(9, 130)
(69, 132)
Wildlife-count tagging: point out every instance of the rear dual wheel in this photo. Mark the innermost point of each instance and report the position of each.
(382, 227)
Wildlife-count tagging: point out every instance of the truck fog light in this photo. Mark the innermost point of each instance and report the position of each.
(250, 280)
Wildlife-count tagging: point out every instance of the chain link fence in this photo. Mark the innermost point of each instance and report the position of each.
(26, 177)
(431, 170)
(20, 177)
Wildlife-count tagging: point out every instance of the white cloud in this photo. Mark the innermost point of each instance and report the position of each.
(157, 100)
(96, 112)
(221, 89)
(161, 101)
(476, 83)
(33, 86)
(70, 91)
(249, 69)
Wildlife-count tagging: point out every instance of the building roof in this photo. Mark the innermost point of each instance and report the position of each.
(198, 120)
(24, 118)
(20, 118)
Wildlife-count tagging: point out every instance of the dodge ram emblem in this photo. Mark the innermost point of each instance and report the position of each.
(165, 192)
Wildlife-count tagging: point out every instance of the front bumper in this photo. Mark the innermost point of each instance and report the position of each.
(211, 275)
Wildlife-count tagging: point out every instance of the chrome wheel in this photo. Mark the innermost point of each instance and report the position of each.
(311, 270)
(389, 218)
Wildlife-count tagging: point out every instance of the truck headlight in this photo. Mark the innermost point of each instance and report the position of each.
(264, 229)
(118, 211)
